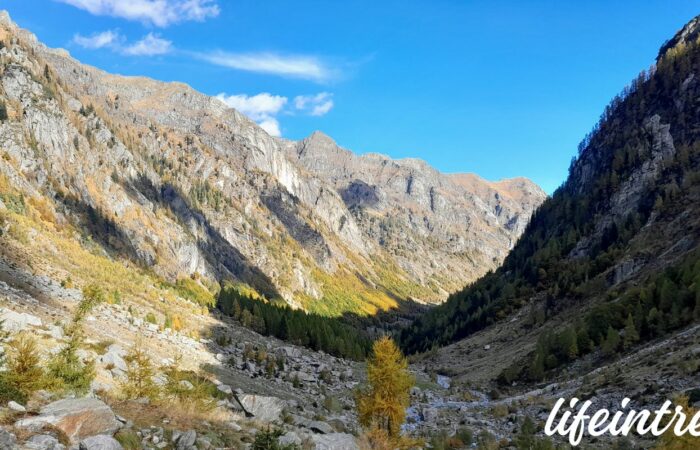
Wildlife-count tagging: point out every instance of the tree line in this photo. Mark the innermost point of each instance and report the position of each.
(331, 335)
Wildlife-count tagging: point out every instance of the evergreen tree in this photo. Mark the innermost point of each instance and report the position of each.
(383, 403)
(139, 374)
(631, 334)
(611, 342)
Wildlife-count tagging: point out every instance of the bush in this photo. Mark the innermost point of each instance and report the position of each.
(269, 440)
(128, 439)
(176, 388)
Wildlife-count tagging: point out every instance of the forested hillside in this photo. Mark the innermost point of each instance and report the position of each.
(611, 253)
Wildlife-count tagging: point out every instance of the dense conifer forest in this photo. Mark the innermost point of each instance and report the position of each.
(549, 262)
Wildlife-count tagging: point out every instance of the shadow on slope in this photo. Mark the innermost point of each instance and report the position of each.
(225, 259)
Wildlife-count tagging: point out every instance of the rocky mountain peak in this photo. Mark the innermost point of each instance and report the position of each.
(689, 34)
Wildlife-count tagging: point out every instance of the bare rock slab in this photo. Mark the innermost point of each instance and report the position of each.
(78, 418)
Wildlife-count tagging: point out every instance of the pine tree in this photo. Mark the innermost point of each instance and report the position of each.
(585, 343)
(611, 342)
(139, 374)
(383, 404)
(569, 343)
(24, 373)
(66, 367)
(631, 334)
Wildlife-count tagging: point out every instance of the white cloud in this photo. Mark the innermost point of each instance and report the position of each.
(150, 45)
(262, 108)
(316, 105)
(257, 107)
(160, 13)
(272, 126)
(98, 40)
(293, 66)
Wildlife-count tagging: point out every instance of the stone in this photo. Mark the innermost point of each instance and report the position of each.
(186, 385)
(15, 321)
(289, 438)
(77, 418)
(263, 408)
(100, 442)
(14, 406)
(320, 427)
(429, 414)
(43, 442)
(186, 440)
(114, 358)
(226, 389)
(7, 439)
(334, 441)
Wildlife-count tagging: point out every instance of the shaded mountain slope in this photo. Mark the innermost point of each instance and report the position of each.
(608, 263)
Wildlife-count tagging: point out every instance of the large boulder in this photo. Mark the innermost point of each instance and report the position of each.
(263, 408)
(100, 442)
(16, 321)
(114, 358)
(335, 441)
(77, 418)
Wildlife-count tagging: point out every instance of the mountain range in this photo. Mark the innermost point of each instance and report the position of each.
(175, 181)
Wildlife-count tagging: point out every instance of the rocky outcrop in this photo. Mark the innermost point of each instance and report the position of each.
(166, 177)
(77, 418)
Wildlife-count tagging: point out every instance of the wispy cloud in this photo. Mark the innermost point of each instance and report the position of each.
(316, 105)
(264, 108)
(150, 45)
(160, 13)
(107, 38)
(292, 66)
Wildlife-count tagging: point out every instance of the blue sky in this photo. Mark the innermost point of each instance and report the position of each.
(500, 88)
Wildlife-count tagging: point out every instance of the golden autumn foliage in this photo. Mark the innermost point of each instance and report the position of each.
(382, 405)
(669, 441)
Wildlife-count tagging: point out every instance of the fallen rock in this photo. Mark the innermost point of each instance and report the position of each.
(263, 408)
(100, 442)
(43, 442)
(77, 418)
(14, 406)
(288, 439)
(334, 441)
(15, 321)
(186, 441)
(320, 427)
